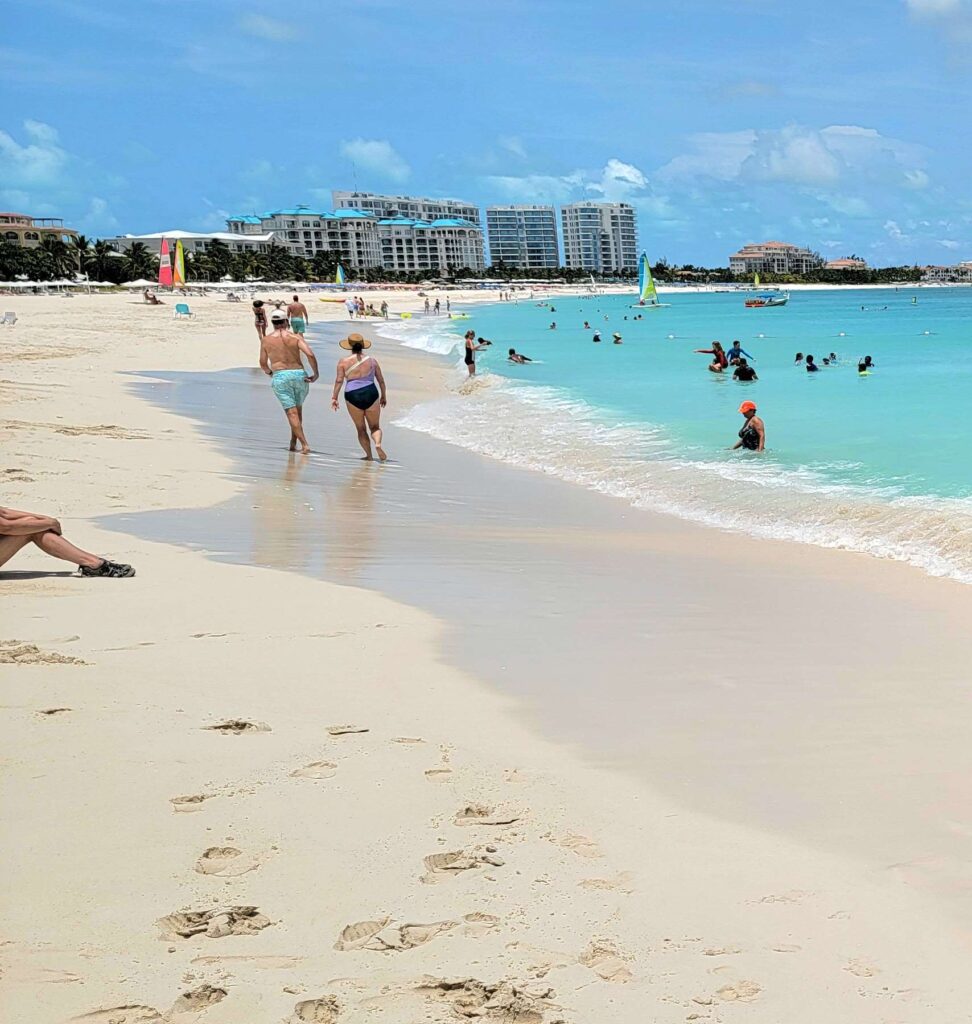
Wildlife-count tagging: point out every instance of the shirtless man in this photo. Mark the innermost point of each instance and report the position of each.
(280, 360)
(297, 313)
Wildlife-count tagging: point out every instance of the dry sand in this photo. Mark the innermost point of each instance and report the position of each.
(239, 795)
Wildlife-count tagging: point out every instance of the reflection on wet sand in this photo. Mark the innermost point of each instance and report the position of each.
(351, 511)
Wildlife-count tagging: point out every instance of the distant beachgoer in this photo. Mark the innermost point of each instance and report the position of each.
(297, 314)
(752, 436)
(596, 336)
(483, 342)
(616, 338)
(259, 318)
(448, 305)
(280, 360)
(471, 349)
(799, 358)
(361, 306)
(811, 365)
(865, 365)
(363, 396)
(744, 371)
(18, 529)
(436, 307)
(553, 309)
(516, 357)
(553, 326)
(735, 351)
(833, 358)
(428, 306)
(384, 309)
(719, 360)
(587, 326)
(351, 306)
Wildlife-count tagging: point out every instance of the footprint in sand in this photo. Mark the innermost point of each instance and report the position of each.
(438, 774)
(378, 935)
(17, 652)
(213, 923)
(345, 730)
(316, 770)
(722, 951)
(267, 962)
(226, 861)
(198, 999)
(605, 960)
(580, 845)
(323, 1010)
(238, 726)
(408, 739)
(509, 1002)
(622, 882)
(483, 814)
(187, 804)
(739, 991)
(861, 969)
(440, 867)
(130, 1013)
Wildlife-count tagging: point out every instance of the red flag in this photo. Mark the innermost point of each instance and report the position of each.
(165, 266)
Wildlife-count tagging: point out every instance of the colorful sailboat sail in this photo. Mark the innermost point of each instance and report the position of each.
(646, 283)
(165, 266)
(179, 268)
(756, 279)
(339, 277)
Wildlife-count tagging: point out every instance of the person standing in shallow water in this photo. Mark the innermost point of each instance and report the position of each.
(364, 393)
(280, 361)
(752, 436)
(471, 349)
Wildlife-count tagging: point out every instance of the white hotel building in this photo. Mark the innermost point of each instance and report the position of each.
(523, 236)
(415, 207)
(600, 237)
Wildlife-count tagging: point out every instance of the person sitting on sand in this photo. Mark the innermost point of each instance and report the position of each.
(18, 529)
(811, 365)
(515, 357)
(297, 314)
(735, 352)
(719, 360)
(358, 373)
(744, 371)
(280, 360)
(752, 436)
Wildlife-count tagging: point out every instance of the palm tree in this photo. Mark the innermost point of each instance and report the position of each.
(277, 261)
(139, 262)
(101, 260)
(220, 257)
(57, 258)
(81, 252)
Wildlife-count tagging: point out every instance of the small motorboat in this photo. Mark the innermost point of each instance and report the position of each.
(772, 299)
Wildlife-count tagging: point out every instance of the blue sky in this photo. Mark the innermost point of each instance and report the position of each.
(844, 126)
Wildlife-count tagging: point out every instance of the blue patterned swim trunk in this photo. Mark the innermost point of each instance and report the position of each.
(290, 386)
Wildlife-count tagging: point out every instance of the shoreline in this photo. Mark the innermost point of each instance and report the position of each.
(710, 915)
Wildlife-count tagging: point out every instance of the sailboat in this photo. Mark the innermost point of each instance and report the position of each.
(165, 266)
(646, 287)
(339, 276)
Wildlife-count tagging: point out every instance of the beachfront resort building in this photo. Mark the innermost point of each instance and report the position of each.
(416, 207)
(194, 241)
(523, 236)
(774, 258)
(350, 234)
(600, 237)
(19, 229)
(847, 263)
(959, 273)
(362, 239)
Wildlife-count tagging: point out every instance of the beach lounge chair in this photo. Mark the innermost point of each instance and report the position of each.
(9, 318)
(182, 309)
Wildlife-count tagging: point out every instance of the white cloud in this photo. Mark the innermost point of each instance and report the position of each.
(513, 144)
(39, 161)
(537, 188)
(949, 243)
(98, 218)
(267, 28)
(916, 179)
(893, 230)
(377, 156)
(934, 8)
(618, 181)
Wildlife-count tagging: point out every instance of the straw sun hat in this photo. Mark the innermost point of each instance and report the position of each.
(346, 343)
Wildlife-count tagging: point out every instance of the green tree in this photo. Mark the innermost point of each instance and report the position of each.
(80, 249)
(220, 257)
(102, 264)
(56, 256)
(138, 263)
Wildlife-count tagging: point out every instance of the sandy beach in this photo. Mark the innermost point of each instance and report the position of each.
(355, 747)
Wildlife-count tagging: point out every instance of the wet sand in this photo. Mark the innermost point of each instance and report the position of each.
(817, 695)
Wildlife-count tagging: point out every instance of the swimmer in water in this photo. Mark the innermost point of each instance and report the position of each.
(617, 339)
(587, 326)
(736, 351)
(719, 360)
(515, 357)
(833, 358)
(811, 365)
(744, 371)
(596, 337)
(865, 365)
(553, 326)
(752, 436)
(799, 358)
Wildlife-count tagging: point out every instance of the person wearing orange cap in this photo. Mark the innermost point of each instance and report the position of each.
(752, 437)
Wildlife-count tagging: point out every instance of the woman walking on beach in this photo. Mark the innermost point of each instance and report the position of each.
(259, 319)
(359, 374)
(752, 436)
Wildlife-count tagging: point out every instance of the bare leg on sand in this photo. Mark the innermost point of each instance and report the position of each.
(373, 419)
(358, 417)
(295, 417)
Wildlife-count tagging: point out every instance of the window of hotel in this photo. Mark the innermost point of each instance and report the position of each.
(12, 235)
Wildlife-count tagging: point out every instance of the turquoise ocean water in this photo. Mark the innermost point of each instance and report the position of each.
(880, 464)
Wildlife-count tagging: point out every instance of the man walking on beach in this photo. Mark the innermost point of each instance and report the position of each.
(280, 360)
(297, 314)
(18, 529)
